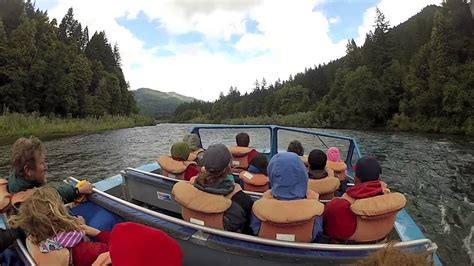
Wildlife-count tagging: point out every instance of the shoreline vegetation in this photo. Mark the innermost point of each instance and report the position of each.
(399, 123)
(14, 125)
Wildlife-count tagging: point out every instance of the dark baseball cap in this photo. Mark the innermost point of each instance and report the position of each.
(216, 158)
(368, 169)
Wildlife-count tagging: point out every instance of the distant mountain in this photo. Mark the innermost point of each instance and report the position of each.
(157, 103)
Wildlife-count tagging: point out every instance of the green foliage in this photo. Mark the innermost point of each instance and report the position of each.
(15, 124)
(418, 76)
(56, 70)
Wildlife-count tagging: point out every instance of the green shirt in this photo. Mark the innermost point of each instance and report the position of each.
(17, 184)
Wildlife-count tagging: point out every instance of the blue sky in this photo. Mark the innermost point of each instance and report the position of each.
(200, 48)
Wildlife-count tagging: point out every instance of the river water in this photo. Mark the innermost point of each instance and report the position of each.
(435, 172)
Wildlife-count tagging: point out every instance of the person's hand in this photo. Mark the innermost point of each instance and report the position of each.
(90, 231)
(86, 188)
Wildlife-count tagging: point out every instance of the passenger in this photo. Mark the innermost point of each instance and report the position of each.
(296, 147)
(289, 211)
(215, 200)
(321, 181)
(29, 172)
(335, 163)
(255, 178)
(177, 165)
(134, 244)
(54, 236)
(338, 167)
(9, 236)
(366, 212)
(242, 154)
(194, 143)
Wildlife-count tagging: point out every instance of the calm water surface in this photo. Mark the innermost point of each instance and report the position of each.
(436, 172)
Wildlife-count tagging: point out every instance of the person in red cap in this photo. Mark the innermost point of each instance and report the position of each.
(339, 221)
(133, 244)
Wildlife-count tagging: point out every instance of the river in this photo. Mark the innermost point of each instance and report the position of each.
(435, 172)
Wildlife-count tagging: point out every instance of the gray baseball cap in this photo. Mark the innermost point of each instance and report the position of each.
(216, 158)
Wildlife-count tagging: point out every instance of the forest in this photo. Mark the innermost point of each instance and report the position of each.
(417, 76)
(55, 69)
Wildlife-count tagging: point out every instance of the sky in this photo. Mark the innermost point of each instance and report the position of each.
(203, 47)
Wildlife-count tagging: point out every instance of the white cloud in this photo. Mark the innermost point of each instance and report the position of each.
(335, 20)
(395, 12)
(290, 37)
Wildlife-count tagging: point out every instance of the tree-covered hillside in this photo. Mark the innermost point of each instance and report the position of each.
(417, 76)
(57, 69)
(158, 104)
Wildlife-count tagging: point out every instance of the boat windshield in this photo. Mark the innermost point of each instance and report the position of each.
(260, 138)
(311, 141)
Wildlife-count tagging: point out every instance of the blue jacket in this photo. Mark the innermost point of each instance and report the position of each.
(289, 181)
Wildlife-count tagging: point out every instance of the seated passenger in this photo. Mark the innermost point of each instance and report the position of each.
(289, 211)
(335, 163)
(338, 167)
(214, 200)
(194, 143)
(321, 181)
(296, 147)
(177, 165)
(54, 236)
(242, 154)
(366, 212)
(255, 178)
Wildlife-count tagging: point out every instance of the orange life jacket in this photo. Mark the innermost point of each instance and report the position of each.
(174, 168)
(338, 168)
(325, 187)
(375, 215)
(202, 208)
(239, 158)
(254, 182)
(7, 200)
(194, 155)
(60, 257)
(287, 220)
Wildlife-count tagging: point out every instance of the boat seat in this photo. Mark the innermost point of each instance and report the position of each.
(152, 190)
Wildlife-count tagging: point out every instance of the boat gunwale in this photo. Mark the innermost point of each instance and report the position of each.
(430, 246)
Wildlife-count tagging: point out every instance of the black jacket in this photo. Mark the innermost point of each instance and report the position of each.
(8, 237)
(237, 216)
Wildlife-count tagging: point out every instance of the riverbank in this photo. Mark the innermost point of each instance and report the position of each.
(398, 123)
(15, 125)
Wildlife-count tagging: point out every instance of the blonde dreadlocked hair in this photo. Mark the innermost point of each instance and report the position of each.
(43, 215)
